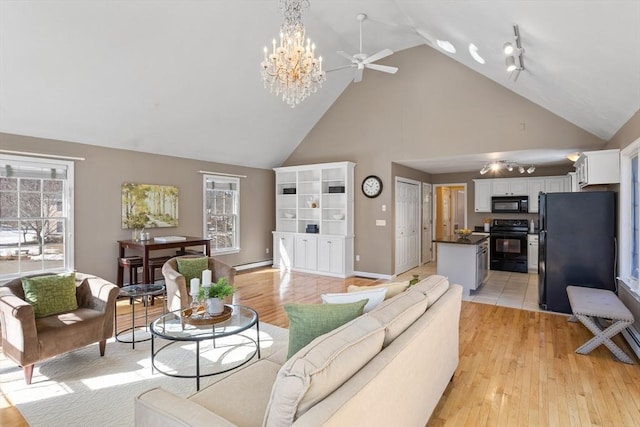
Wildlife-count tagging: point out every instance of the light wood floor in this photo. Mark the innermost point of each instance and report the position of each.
(517, 367)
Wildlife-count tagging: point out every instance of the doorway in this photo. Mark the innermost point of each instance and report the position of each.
(450, 209)
(427, 224)
(407, 213)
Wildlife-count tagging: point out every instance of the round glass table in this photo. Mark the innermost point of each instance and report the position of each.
(173, 328)
(143, 292)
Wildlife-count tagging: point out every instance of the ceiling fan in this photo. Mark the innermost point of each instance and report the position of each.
(361, 60)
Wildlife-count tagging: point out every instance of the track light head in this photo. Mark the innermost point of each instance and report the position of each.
(521, 169)
(509, 167)
(508, 48)
(531, 169)
(511, 63)
(484, 170)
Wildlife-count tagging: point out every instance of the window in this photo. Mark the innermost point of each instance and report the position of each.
(36, 209)
(222, 213)
(630, 216)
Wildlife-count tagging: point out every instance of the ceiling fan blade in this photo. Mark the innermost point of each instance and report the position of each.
(383, 68)
(382, 54)
(346, 55)
(358, 76)
(340, 68)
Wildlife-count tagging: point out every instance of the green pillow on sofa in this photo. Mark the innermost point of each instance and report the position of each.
(308, 321)
(51, 294)
(191, 267)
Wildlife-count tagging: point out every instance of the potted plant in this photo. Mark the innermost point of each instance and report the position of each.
(214, 294)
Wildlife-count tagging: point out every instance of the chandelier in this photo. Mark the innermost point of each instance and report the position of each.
(291, 69)
(503, 164)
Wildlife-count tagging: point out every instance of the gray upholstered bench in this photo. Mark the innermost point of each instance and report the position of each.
(587, 304)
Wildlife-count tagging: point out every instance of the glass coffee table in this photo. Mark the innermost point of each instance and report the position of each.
(173, 328)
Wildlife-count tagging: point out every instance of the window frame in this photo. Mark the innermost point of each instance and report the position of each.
(67, 209)
(236, 237)
(626, 226)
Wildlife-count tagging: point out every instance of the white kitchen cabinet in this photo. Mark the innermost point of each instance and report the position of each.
(509, 187)
(558, 184)
(319, 199)
(283, 247)
(546, 184)
(598, 167)
(482, 189)
(306, 252)
(532, 253)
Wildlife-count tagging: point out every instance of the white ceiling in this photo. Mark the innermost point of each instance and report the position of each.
(182, 78)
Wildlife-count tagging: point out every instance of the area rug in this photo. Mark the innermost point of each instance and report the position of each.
(81, 388)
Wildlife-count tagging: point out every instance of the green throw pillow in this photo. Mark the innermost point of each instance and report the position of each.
(191, 267)
(308, 321)
(51, 294)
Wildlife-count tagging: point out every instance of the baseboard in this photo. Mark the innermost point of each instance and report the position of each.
(252, 265)
(632, 301)
(374, 275)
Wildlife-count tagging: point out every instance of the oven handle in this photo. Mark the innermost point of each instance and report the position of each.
(509, 234)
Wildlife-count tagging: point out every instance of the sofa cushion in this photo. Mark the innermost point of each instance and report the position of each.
(308, 321)
(393, 288)
(375, 297)
(398, 313)
(51, 294)
(432, 287)
(321, 367)
(192, 267)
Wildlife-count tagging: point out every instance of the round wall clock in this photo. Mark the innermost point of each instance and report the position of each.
(372, 186)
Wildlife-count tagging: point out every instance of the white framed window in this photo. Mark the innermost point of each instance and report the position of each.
(630, 216)
(36, 216)
(222, 213)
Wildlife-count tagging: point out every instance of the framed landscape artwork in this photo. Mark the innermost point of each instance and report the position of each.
(149, 206)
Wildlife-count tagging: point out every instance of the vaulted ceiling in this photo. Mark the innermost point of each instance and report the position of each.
(182, 78)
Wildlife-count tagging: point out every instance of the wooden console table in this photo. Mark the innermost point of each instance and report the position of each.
(143, 247)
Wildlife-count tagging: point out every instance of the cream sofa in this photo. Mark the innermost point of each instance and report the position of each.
(387, 367)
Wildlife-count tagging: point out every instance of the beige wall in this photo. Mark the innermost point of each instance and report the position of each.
(433, 107)
(627, 133)
(98, 181)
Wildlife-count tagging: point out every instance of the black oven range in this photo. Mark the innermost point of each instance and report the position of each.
(509, 245)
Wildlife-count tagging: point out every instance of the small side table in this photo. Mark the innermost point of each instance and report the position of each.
(143, 292)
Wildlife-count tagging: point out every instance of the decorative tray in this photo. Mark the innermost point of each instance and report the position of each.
(208, 320)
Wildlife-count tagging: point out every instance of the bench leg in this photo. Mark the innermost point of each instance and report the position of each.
(603, 336)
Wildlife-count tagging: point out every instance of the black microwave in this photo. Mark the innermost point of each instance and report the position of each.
(510, 204)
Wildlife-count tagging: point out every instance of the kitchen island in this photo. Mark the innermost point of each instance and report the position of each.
(464, 261)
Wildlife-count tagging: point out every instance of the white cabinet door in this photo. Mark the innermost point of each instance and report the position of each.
(283, 250)
(509, 187)
(306, 250)
(532, 253)
(535, 187)
(331, 255)
(557, 185)
(482, 189)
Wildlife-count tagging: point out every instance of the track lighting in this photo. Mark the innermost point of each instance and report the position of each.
(498, 165)
(514, 59)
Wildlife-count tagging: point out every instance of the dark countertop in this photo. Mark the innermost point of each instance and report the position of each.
(471, 240)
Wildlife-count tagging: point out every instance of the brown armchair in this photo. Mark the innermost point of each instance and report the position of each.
(177, 294)
(27, 340)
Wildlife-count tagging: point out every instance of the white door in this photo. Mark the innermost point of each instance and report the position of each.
(427, 238)
(407, 225)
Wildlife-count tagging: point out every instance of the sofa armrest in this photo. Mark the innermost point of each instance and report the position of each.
(19, 333)
(221, 269)
(103, 299)
(159, 408)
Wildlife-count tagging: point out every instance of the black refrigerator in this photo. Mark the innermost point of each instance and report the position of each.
(577, 245)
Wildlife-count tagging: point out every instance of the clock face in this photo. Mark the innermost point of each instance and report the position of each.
(372, 186)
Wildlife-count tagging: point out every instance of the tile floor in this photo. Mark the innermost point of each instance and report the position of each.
(503, 288)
